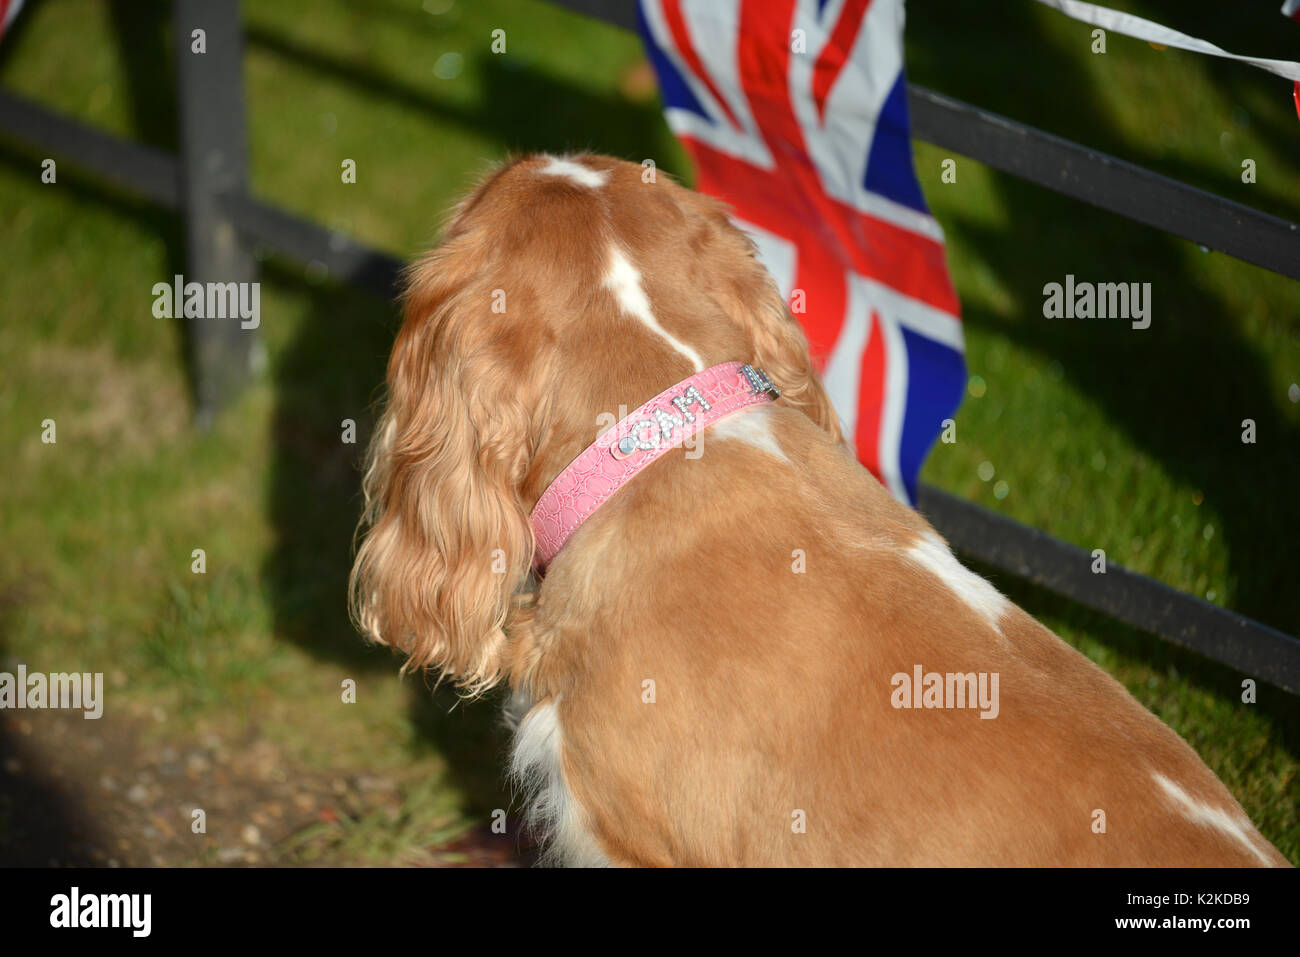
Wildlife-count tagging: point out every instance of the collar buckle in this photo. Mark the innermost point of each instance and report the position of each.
(758, 381)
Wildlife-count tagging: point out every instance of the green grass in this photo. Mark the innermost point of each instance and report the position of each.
(1106, 437)
(428, 817)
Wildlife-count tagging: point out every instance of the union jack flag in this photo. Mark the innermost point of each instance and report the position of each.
(795, 113)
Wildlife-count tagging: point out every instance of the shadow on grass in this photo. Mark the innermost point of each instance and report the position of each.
(1008, 65)
(43, 823)
(331, 372)
(142, 29)
(521, 110)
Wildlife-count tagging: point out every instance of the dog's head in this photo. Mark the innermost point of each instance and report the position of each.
(565, 293)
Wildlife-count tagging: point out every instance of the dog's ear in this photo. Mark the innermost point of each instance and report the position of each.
(446, 541)
(780, 348)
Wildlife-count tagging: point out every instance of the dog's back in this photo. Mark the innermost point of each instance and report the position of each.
(773, 626)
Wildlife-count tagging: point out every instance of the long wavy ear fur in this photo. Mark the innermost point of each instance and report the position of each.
(781, 350)
(445, 538)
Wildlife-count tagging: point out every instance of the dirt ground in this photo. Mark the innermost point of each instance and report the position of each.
(100, 793)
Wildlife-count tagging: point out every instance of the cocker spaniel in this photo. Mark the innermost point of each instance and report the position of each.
(608, 475)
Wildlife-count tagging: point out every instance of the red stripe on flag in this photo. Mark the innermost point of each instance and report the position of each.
(764, 59)
(825, 289)
(871, 398)
(836, 52)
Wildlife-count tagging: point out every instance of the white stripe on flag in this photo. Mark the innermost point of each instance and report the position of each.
(1132, 26)
(843, 374)
(917, 316)
(893, 406)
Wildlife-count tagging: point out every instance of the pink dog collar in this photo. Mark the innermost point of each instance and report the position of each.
(664, 422)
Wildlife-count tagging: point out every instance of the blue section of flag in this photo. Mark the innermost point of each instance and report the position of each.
(936, 378)
(676, 93)
(889, 164)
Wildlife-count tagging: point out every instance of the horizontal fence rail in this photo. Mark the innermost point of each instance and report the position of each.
(1106, 182)
(1077, 171)
(344, 259)
(142, 170)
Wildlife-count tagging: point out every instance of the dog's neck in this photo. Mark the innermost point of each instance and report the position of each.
(622, 451)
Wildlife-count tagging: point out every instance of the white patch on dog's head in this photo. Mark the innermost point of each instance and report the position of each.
(575, 172)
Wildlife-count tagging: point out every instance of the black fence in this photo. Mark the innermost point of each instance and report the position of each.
(208, 184)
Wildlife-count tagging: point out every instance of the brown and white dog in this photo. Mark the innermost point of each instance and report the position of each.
(751, 654)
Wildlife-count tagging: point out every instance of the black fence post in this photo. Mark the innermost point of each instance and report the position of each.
(214, 160)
